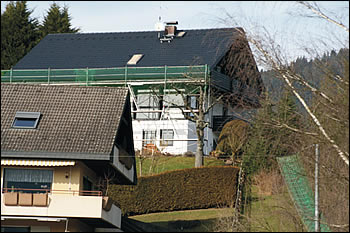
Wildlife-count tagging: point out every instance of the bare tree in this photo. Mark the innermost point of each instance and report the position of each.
(270, 54)
(327, 114)
(106, 180)
(198, 116)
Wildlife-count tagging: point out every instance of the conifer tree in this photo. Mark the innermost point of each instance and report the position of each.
(18, 33)
(273, 133)
(57, 20)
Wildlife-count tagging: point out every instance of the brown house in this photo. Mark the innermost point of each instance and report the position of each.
(59, 143)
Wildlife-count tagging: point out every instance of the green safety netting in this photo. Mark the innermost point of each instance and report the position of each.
(300, 191)
(99, 75)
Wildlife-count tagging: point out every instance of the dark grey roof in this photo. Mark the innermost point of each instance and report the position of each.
(94, 50)
(74, 119)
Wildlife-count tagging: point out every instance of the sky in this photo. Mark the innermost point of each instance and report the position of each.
(121, 16)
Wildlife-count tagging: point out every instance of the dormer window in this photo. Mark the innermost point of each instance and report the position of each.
(26, 120)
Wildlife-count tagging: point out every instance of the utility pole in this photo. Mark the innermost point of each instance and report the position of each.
(317, 220)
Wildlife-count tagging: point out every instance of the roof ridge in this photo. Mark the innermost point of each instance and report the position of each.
(90, 33)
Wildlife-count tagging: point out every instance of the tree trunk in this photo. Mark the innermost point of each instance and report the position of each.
(199, 154)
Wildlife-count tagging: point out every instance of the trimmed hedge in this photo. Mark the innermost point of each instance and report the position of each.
(192, 188)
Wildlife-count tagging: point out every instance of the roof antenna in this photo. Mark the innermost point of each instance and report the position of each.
(159, 26)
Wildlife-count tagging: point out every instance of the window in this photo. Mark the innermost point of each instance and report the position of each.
(173, 100)
(28, 179)
(149, 137)
(166, 134)
(147, 103)
(135, 59)
(26, 120)
(87, 186)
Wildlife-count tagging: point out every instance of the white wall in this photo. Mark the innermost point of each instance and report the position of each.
(180, 128)
(183, 129)
(173, 119)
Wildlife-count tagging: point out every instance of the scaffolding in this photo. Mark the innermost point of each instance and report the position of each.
(136, 79)
(116, 76)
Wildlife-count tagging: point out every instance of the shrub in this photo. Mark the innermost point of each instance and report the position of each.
(232, 138)
(193, 188)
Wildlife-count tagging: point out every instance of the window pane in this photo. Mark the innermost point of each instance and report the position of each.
(149, 137)
(24, 122)
(28, 179)
(173, 100)
(166, 134)
(28, 175)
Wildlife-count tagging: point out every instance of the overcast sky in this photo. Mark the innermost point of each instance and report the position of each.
(121, 16)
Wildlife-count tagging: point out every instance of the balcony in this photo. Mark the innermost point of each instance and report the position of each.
(59, 203)
(220, 121)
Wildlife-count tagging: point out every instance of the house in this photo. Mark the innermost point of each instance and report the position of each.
(59, 146)
(155, 66)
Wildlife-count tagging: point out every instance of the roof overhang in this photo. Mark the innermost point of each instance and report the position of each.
(53, 155)
(41, 219)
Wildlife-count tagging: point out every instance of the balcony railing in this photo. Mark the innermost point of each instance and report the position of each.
(220, 121)
(56, 191)
(38, 197)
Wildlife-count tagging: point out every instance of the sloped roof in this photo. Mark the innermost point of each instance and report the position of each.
(74, 119)
(94, 50)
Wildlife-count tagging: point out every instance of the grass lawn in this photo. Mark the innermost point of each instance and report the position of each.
(274, 213)
(168, 163)
(267, 212)
(186, 221)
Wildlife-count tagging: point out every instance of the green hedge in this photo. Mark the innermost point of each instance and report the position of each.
(192, 188)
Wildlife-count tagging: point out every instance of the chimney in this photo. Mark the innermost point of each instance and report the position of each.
(170, 29)
(169, 32)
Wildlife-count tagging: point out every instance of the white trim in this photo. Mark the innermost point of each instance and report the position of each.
(41, 219)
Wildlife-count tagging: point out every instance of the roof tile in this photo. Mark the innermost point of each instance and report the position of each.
(101, 50)
(74, 118)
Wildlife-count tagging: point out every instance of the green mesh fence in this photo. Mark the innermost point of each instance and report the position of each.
(100, 75)
(300, 191)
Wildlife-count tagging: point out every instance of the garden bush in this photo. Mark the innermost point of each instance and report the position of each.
(192, 188)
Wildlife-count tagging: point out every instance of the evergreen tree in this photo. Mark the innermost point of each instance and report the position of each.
(269, 136)
(57, 20)
(18, 33)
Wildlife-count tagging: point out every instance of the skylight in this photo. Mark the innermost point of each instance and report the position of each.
(181, 34)
(26, 120)
(135, 59)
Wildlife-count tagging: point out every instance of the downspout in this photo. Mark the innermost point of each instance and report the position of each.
(66, 230)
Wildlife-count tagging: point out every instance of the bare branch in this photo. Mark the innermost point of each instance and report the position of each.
(318, 12)
(279, 125)
(286, 76)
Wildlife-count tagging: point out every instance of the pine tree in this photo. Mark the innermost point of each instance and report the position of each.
(18, 33)
(268, 135)
(57, 20)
